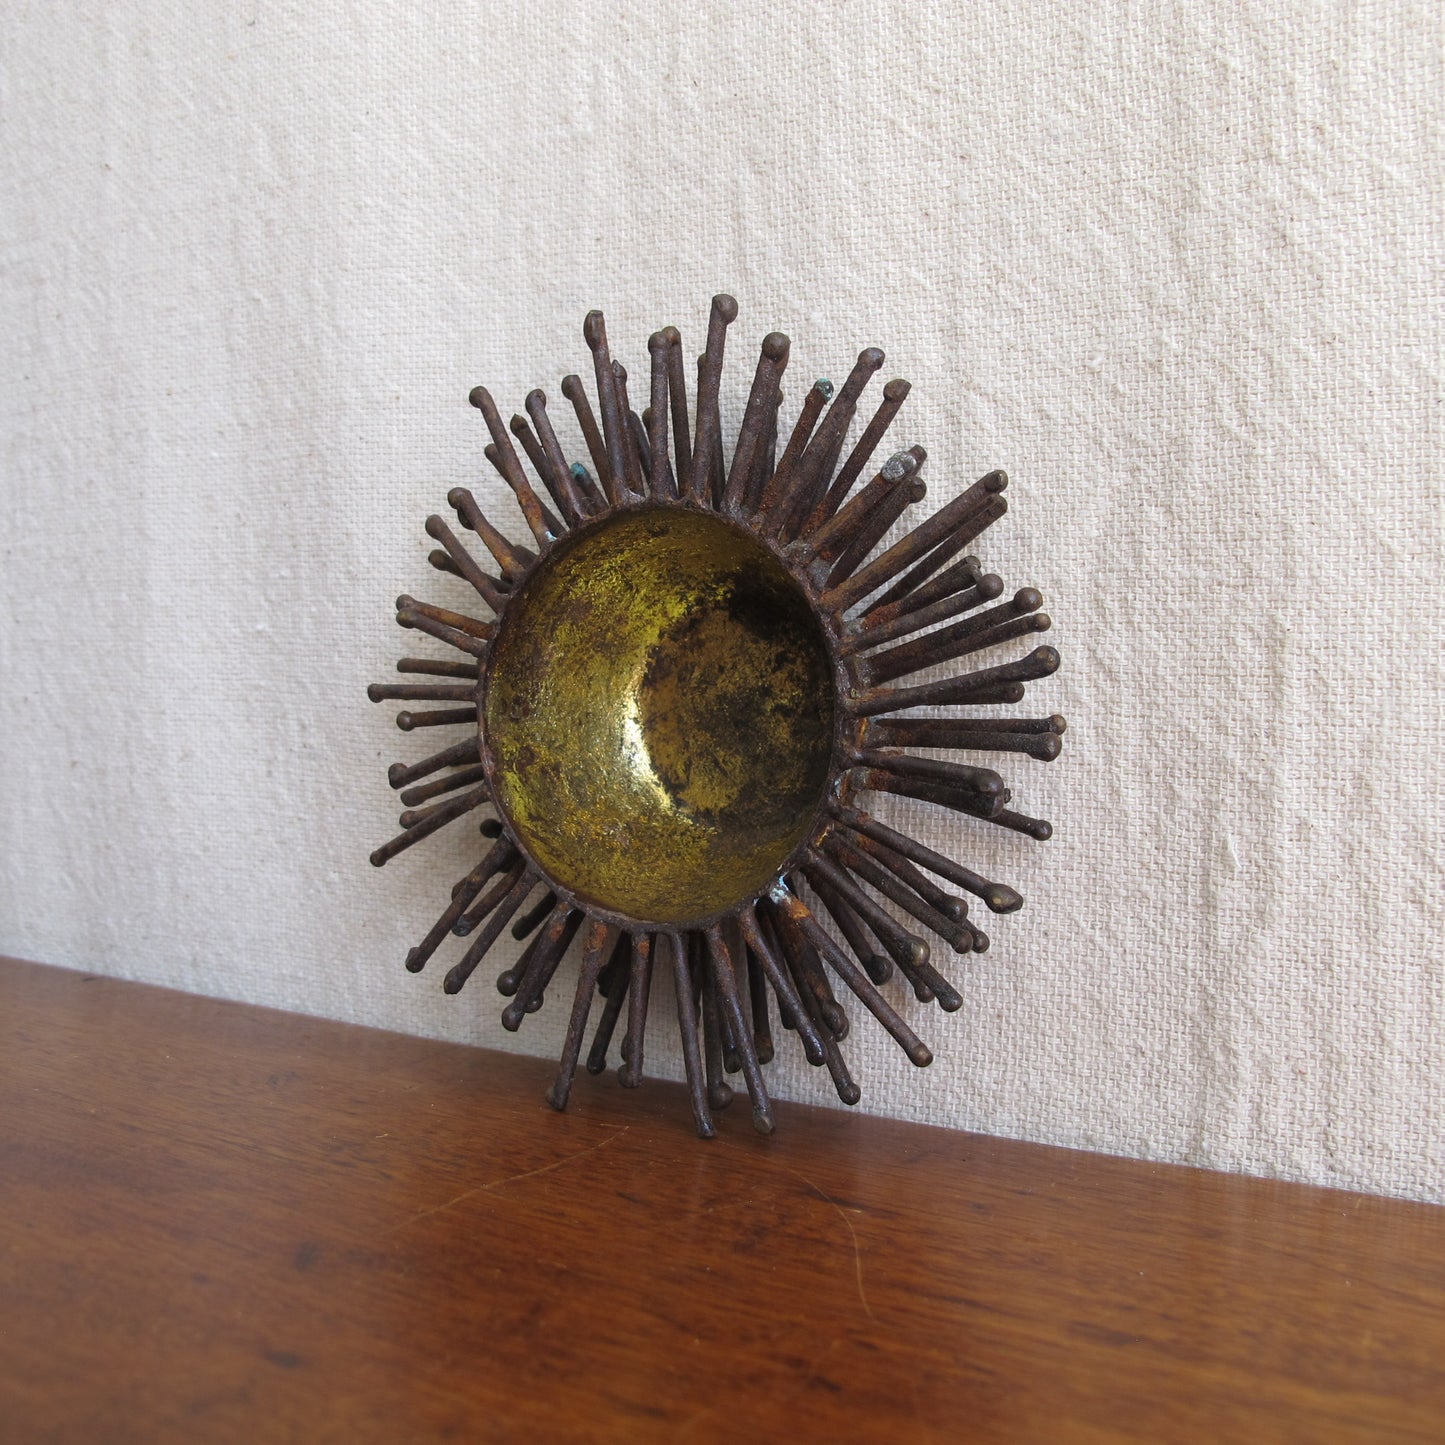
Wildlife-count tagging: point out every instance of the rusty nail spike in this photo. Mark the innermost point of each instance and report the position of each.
(752, 437)
(513, 560)
(576, 393)
(575, 502)
(894, 394)
(923, 538)
(617, 483)
(709, 423)
(514, 869)
(815, 466)
(399, 775)
(438, 667)
(973, 687)
(687, 1028)
(634, 437)
(774, 506)
(457, 621)
(599, 936)
(462, 778)
(891, 623)
(614, 984)
(662, 479)
(998, 624)
(876, 524)
(489, 588)
(834, 536)
(763, 563)
(535, 916)
(639, 992)
(544, 526)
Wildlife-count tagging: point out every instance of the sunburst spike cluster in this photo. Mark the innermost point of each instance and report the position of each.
(850, 903)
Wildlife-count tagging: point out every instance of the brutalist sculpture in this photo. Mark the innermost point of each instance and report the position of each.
(688, 680)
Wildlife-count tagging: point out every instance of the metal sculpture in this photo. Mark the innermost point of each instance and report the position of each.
(688, 679)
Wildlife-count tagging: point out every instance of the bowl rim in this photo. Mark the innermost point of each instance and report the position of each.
(837, 788)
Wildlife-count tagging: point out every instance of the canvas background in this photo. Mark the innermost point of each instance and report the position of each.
(1175, 266)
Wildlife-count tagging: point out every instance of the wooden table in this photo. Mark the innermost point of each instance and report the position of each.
(226, 1223)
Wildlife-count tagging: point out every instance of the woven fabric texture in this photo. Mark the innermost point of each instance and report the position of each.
(1176, 267)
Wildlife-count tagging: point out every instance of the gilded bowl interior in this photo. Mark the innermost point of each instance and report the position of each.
(659, 715)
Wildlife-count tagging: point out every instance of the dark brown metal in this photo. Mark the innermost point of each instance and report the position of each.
(752, 436)
(984, 735)
(790, 943)
(462, 778)
(677, 403)
(796, 910)
(877, 619)
(894, 394)
(420, 692)
(599, 936)
(766, 463)
(458, 621)
(453, 808)
(998, 896)
(424, 828)
(634, 436)
(497, 919)
(923, 538)
(687, 1031)
(709, 423)
(442, 717)
(760, 946)
(544, 526)
(758, 1020)
(562, 479)
(912, 581)
(876, 525)
(878, 966)
(906, 949)
(513, 561)
(462, 896)
(724, 971)
(834, 536)
(815, 466)
(890, 882)
(438, 667)
(453, 636)
(559, 484)
(552, 943)
(639, 992)
(774, 505)
(973, 687)
(489, 588)
(806, 966)
(576, 393)
(1014, 618)
(887, 625)
(614, 984)
(662, 480)
(399, 775)
(511, 870)
(508, 867)
(618, 483)
(535, 916)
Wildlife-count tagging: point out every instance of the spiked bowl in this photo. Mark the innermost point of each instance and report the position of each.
(688, 681)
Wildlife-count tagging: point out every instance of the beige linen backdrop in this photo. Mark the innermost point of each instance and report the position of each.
(1176, 266)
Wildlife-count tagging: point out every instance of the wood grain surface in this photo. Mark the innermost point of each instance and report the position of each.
(226, 1223)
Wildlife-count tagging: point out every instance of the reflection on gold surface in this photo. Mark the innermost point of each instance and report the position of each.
(660, 715)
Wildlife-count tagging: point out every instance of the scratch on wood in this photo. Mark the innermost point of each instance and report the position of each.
(852, 1235)
(510, 1179)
